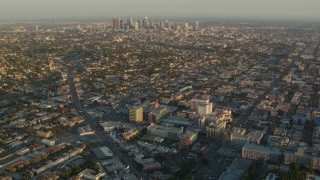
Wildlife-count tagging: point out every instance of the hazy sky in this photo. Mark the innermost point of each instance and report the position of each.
(266, 9)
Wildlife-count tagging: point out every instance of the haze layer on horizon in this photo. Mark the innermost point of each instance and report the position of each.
(254, 9)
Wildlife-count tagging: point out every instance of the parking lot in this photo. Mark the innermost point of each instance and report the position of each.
(216, 166)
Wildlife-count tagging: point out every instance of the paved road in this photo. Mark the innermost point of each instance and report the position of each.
(101, 135)
(216, 166)
(245, 115)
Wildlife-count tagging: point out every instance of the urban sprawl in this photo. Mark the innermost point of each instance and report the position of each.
(159, 99)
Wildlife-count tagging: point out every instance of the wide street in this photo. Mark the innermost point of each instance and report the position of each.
(104, 138)
(245, 115)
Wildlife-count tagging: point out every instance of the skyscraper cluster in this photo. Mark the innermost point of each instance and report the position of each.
(147, 23)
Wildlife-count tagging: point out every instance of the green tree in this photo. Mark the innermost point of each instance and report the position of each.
(204, 161)
(140, 166)
(76, 169)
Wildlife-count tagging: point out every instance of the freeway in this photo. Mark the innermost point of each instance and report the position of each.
(101, 135)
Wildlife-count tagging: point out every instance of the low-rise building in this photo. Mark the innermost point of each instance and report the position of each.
(278, 141)
(187, 114)
(316, 135)
(86, 130)
(43, 134)
(102, 152)
(304, 156)
(236, 138)
(91, 174)
(113, 164)
(130, 134)
(164, 131)
(237, 169)
(150, 164)
(216, 129)
(48, 142)
(256, 152)
(188, 138)
(255, 136)
(23, 151)
(157, 113)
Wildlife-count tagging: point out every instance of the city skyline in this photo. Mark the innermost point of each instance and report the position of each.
(159, 100)
(248, 9)
(143, 90)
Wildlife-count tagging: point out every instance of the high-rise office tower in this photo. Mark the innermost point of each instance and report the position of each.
(186, 26)
(136, 26)
(130, 21)
(150, 23)
(139, 24)
(145, 22)
(161, 25)
(116, 23)
(166, 25)
(175, 26)
(37, 28)
(121, 24)
(196, 27)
